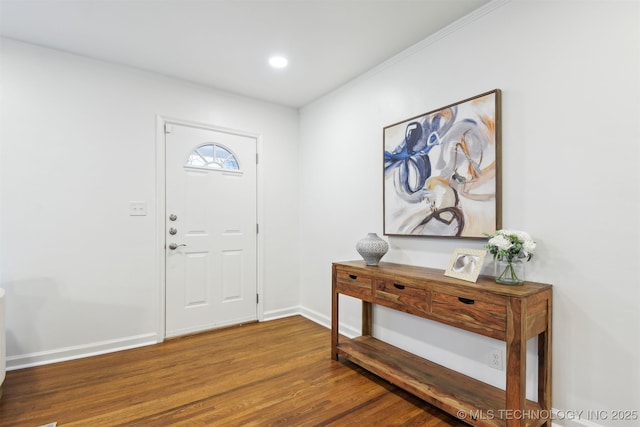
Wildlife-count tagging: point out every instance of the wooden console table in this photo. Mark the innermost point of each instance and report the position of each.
(513, 314)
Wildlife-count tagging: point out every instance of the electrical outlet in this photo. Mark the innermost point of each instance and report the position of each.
(495, 359)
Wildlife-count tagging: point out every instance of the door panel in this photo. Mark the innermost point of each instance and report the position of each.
(211, 278)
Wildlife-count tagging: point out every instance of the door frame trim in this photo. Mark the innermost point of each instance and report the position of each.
(161, 181)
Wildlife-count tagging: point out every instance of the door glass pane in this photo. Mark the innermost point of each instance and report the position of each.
(213, 156)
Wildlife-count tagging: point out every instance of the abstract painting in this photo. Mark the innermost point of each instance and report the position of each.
(442, 171)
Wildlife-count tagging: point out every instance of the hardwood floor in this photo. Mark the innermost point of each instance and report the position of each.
(260, 374)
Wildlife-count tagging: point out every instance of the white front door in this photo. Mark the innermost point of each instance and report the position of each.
(211, 274)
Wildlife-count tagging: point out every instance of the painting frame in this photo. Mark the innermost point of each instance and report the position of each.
(442, 171)
(466, 264)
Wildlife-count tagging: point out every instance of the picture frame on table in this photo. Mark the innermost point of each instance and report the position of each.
(466, 264)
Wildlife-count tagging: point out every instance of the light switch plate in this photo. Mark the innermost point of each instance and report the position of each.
(137, 208)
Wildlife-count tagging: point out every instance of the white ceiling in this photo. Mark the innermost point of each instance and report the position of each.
(226, 44)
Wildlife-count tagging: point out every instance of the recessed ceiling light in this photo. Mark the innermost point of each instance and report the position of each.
(278, 61)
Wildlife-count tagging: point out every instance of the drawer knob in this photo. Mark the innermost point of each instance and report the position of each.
(397, 286)
(353, 276)
(466, 300)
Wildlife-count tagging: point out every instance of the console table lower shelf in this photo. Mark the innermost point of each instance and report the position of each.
(473, 400)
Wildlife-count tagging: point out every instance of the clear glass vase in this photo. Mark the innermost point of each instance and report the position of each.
(509, 272)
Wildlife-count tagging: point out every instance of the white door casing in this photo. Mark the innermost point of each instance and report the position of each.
(211, 281)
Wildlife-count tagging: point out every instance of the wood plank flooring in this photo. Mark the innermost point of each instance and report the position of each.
(276, 373)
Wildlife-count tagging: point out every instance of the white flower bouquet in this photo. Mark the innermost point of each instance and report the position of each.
(508, 246)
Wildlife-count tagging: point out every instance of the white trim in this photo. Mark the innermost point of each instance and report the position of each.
(161, 173)
(160, 224)
(315, 316)
(206, 169)
(441, 34)
(419, 46)
(79, 351)
(260, 236)
(282, 313)
(344, 329)
(562, 418)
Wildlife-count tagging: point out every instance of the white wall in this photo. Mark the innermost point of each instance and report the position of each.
(78, 143)
(569, 74)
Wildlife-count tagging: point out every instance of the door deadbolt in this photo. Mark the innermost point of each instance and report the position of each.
(172, 231)
(173, 217)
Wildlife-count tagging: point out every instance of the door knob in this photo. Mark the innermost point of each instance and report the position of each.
(174, 246)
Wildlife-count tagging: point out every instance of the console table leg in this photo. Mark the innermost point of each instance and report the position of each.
(516, 362)
(334, 317)
(544, 366)
(367, 317)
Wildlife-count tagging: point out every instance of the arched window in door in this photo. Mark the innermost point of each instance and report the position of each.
(213, 156)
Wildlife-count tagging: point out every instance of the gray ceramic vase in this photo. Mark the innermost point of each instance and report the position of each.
(372, 248)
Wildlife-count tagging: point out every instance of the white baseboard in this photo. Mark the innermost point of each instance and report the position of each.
(346, 330)
(93, 349)
(562, 418)
(77, 352)
(279, 314)
(316, 317)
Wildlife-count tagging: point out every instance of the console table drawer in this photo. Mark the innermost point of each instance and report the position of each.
(355, 285)
(472, 314)
(401, 296)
